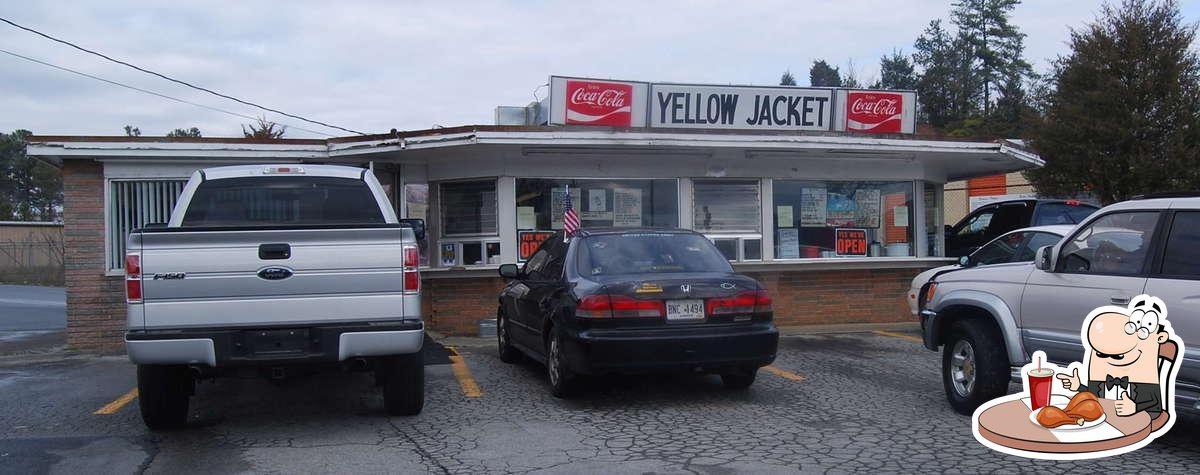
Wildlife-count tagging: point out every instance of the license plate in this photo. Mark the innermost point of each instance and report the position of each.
(685, 309)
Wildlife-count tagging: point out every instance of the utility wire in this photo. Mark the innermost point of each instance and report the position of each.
(185, 83)
(164, 96)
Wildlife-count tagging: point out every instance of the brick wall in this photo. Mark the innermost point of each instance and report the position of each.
(95, 302)
(453, 306)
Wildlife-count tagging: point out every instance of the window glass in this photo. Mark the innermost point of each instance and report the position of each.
(809, 213)
(133, 204)
(615, 254)
(978, 223)
(1114, 244)
(468, 207)
(726, 206)
(1182, 257)
(933, 219)
(727, 247)
(1061, 213)
(416, 205)
(1000, 250)
(284, 200)
(599, 203)
(1036, 241)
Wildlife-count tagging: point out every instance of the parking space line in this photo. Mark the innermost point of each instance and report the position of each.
(899, 335)
(463, 373)
(117, 404)
(783, 373)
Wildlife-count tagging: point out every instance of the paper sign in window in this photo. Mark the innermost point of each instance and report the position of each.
(627, 207)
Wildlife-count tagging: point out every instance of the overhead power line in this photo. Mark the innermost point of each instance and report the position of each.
(177, 81)
(138, 89)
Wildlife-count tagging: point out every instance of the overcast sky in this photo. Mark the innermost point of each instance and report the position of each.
(373, 66)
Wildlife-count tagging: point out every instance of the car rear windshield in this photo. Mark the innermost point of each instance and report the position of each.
(637, 253)
(282, 201)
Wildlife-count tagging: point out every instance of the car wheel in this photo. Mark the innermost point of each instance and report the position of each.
(974, 366)
(163, 393)
(403, 384)
(740, 379)
(508, 353)
(562, 380)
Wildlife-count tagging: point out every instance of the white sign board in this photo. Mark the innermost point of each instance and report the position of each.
(627, 207)
(746, 108)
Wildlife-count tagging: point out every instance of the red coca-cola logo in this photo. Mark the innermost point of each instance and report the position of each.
(599, 103)
(878, 112)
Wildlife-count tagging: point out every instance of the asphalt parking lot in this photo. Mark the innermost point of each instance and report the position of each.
(841, 402)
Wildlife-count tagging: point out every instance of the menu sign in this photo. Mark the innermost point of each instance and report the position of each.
(850, 242)
(754, 108)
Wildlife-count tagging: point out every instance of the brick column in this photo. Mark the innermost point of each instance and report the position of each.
(95, 302)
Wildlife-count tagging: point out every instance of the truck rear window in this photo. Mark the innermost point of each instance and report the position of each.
(276, 201)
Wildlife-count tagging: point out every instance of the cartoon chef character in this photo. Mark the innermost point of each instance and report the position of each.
(1122, 359)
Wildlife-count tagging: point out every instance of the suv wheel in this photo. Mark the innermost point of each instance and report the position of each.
(562, 380)
(974, 366)
(508, 354)
(403, 384)
(163, 393)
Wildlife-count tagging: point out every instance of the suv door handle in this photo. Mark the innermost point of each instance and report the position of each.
(1119, 300)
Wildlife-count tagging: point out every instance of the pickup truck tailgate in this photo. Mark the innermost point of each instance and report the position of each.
(211, 278)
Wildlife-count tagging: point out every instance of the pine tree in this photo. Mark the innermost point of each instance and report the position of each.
(896, 72)
(787, 79)
(1124, 118)
(192, 132)
(821, 74)
(994, 43)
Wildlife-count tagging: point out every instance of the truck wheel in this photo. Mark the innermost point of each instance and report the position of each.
(974, 365)
(404, 384)
(508, 354)
(562, 379)
(163, 393)
(739, 379)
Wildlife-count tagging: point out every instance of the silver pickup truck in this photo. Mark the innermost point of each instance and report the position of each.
(274, 270)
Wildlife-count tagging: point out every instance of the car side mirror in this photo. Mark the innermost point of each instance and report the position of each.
(965, 261)
(947, 229)
(1042, 260)
(417, 225)
(510, 271)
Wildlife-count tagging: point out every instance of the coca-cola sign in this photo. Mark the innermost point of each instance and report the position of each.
(877, 112)
(599, 103)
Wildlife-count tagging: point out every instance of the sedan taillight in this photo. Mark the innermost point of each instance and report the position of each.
(755, 301)
(619, 306)
(133, 278)
(412, 276)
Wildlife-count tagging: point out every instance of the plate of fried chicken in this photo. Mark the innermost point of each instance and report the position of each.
(1080, 412)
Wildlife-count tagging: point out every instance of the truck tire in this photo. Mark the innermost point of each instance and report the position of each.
(163, 393)
(974, 365)
(404, 384)
(508, 353)
(558, 371)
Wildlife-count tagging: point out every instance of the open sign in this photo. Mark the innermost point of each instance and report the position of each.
(850, 242)
(528, 242)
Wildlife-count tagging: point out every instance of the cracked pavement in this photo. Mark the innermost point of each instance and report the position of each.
(866, 403)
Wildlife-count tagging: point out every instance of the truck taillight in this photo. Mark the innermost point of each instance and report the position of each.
(755, 301)
(619, 306)
(412, 276)
(133, 278)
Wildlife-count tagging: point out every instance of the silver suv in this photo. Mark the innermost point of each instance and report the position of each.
(989, 320)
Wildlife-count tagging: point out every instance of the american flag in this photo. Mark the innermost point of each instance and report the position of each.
(570, 218)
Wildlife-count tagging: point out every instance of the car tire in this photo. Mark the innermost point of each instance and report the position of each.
(974, 365)
(508, 353)
(163, 393)
(739, 379)
(404, 384)
(562, 379)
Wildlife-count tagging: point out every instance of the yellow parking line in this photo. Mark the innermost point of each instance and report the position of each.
(899, 335)
(118, 403)
(783, 373)
(469, 387)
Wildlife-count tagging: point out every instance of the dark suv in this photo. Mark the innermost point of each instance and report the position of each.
(992, 220)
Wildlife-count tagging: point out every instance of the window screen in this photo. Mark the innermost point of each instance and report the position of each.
(726, 206)
(468, 207)
(133, 204)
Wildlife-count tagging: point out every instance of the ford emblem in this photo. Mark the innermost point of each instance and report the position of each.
(275, 273)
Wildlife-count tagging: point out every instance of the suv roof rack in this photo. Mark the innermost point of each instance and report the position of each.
(1168, 194)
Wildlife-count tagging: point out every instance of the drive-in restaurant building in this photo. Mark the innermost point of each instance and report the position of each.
(826, 196)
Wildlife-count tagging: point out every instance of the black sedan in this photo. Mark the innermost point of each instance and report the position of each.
(634, 301)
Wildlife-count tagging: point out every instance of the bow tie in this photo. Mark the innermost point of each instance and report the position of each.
(1110, 382)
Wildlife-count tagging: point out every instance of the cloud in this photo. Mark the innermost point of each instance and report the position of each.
(373, 66)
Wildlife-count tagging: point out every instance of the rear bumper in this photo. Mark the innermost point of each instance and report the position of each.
(713, 349)
(229, 347)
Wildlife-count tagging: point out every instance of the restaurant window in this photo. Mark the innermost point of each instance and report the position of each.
(606, 203)
(468, 219)
(729, 213)
(827, 219)
(134, 204)
(934, 230)
(416, 205)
